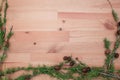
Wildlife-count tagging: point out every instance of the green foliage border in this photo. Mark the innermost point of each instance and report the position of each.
(69, 68)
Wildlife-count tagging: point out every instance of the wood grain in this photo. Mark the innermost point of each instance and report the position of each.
(45, 31)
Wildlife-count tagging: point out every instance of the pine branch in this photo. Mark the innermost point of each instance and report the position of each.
(2, 57)
(110, 75)
(111, 56)
(24, 77)
(110, 4)
(115, 16)
(51, 71)
(10, 33)
(4, 45)
(5, 11)
(107, 43)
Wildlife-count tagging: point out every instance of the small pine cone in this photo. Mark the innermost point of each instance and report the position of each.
(118, 32)
(118, 24)
(57, 68)
(86, 69)
(65, 57)
(0, 47)
(69, 58)
(76, 58)
(0, 8)
(107, 52)
(116, 55)
(72, 63)
(60, 29)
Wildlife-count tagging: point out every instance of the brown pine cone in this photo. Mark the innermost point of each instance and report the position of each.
(118, 24)
(57, 68)
(116, 55)
(118, 32)
(107, 52)
(86, 69)
(72, 63)
(65, 57)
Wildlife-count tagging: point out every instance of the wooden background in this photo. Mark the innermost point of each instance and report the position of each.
(47, 30)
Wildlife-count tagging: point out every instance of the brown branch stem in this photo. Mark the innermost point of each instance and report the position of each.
(110, 75)
(110, 3)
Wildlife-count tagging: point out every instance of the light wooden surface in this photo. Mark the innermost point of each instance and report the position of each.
(37, 37)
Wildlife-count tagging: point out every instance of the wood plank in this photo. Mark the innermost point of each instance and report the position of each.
(57, 47)
(37, 26)
(36, 20)
(42, 36)
(86, 21)
(68, 24)
(53, 59)
(115, 3)
(65, 6)
(84, 15)
(36, 15)
(14, 64)
(91, 36)
(25, 58)
(62, 41)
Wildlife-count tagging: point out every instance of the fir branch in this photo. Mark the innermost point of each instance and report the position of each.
(1, 22)
(110, 75)
(5, 12)
(4, 78)
(49, 70)
(110, 58)
(107, 43)
(109, 67)
(1, 38)
(110, 4)
(2, 57)
(24, 77)
(10, 33)
(115, 16)
(3, 43)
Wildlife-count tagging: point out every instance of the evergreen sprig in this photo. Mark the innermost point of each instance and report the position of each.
(107, 43)
(61, 74)
(115, 16)
(4, 40)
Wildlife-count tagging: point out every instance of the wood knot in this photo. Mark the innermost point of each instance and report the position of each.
(109, 25)
(63, 21)
(27, 32)
(60, 29)
(34, 43)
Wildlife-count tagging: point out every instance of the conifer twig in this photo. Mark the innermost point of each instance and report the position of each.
(110, 3)
(110, 58)
(110, 75)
